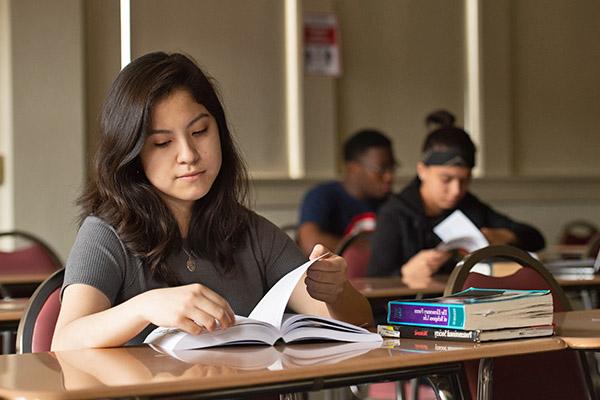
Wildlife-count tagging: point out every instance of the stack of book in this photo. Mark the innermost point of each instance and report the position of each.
(473, 315)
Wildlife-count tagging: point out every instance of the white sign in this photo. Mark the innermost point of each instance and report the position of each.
(321, 45)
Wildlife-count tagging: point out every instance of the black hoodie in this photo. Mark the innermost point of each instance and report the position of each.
(403, 230)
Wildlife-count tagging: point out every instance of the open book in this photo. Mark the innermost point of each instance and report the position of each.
(267, 323)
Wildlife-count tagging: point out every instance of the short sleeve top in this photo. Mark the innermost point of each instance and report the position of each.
(100, 259)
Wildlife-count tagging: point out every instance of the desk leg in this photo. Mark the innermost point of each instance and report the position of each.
(8, 345)
(484, 379)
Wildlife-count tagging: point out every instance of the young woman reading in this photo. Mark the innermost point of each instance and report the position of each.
(166, 238)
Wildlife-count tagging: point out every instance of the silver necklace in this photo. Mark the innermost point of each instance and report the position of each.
(190, 263)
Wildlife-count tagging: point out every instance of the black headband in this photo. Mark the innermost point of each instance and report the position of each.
(450, 157)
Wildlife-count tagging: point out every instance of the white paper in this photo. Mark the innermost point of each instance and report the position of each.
(457, 231)
(271, 307)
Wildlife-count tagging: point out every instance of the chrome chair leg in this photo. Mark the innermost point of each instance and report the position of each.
(484, 380)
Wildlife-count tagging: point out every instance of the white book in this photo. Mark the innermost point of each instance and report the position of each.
(267, 324)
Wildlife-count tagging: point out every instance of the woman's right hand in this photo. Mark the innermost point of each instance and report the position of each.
(191, 308)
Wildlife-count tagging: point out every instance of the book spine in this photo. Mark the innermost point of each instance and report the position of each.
(426, 314)
(422, 332)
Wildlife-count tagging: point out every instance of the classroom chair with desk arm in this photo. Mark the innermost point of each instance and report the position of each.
(552, 375)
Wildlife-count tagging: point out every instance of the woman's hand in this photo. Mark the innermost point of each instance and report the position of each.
(326, 278)
(191, 308)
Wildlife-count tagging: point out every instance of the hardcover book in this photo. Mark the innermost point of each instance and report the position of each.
(424, 332)
(476, 309)
(267, 324)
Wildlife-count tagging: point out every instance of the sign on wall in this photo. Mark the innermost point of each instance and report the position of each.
(321, 45)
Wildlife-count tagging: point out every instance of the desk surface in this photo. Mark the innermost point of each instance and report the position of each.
(7, 279)
(12, 310)
(232, 371)
(391, 287)
(579, 329)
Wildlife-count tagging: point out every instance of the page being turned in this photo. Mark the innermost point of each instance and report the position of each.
(271, 307)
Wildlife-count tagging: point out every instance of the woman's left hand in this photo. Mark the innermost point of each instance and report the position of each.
(326, 278)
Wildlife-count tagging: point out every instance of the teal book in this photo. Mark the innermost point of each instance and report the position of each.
(476, 308)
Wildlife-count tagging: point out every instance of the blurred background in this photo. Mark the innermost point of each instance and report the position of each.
(520, 75)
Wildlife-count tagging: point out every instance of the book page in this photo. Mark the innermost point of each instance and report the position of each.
(271, 307)
(458, 229)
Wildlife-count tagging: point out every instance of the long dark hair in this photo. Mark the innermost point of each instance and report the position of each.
(122, 196)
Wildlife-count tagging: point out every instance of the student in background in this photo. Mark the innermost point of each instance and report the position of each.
(166, 238)
(404, 242)
(334, 209)
(439, 119)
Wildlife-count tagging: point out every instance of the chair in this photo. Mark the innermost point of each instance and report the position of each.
(593, 246)
(552, 375)
(578, 232)
(356, 250)
(36, 327)
(30, 256)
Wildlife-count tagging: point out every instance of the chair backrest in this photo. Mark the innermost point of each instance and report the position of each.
(356, 250)
(593, 247)
(562, 374)
(33, 257)
(36, 327)
(578, 232)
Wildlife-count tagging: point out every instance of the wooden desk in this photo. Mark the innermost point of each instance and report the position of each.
(564, 250)
(22, 279)
(11, 312)
(392, 287)
(233, 371)
(579, 329)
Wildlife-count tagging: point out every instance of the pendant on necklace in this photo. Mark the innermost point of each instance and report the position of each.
(190, 264)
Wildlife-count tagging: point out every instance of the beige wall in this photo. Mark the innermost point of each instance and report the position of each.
(400, 59)
(239, 43)
(556, 80)
(6, 142)
(102, 62)
(497, 122)
(46, 106)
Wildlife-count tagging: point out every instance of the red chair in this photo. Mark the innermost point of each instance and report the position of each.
(356, 250)
(552, 375)
(578, 232)
(36, 327)
(32, 255)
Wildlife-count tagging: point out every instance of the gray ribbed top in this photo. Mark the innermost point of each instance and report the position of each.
(99, 259)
